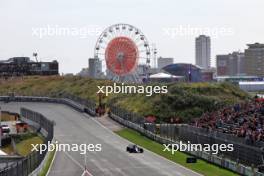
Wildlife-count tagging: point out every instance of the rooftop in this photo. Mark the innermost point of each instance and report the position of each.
(255, 45)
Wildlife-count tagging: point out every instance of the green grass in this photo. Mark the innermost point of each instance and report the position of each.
(23, 143)
(201, 166)
(47, 164)
(8, 149)
(24, 147)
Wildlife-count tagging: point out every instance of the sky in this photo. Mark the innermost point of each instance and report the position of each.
(171, 25)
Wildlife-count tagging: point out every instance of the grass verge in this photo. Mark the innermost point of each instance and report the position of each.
(201, 166)
(23, 143)
(47, 164)
(8, 149)
(24, 147)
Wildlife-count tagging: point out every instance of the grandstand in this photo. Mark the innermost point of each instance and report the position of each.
(242, 120)
(22, 66)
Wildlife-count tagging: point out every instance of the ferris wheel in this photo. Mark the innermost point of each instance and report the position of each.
(122, 48)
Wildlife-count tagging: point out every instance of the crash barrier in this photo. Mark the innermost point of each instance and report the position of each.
(137, 123)
(243, 153)
(169, 128)
(77, 103)
(8, 159)
(40, 122)
(28, 164)
(89, 106)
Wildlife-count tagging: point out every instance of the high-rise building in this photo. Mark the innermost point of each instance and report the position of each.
(162, 62)
(95, 67)
(222, 65)
(232, 64)
(254, 60)
(203, 51)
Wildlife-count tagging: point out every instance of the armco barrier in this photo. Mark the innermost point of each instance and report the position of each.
(33, 162)
(80, 105)
(220, 161)
(28, 164)
(135, 122)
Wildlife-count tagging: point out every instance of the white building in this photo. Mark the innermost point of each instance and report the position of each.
(162, 62)
(203, 51)
(252, 86)
(165, 77)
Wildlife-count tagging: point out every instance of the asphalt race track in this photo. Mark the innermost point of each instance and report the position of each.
(73, 127)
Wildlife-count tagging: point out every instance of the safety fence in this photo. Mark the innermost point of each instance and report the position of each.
(242, 153)
(80, 104)
(166, 134)
(29, 163)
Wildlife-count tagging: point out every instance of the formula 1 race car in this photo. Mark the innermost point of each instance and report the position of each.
(132, 148)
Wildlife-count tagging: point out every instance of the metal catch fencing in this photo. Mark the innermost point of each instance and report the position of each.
(29, 163)
(172, 134)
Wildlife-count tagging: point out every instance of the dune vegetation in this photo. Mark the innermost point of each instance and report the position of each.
(185, 100)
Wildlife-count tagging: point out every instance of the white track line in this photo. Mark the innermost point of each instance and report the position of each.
(76, 162)
(144, 148)
(80, 165)
(51, 164)
(86, 173)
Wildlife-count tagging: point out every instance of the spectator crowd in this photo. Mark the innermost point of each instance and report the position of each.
(242, 120)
